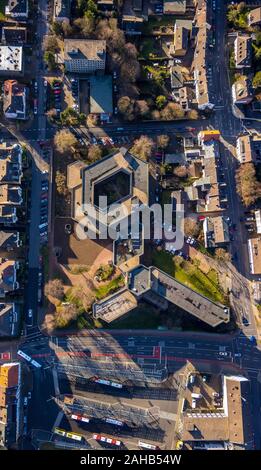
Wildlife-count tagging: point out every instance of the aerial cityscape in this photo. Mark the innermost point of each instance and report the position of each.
(130, 225)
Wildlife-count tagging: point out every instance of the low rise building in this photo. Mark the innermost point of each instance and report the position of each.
(249, 148)
(84, 55)
(216, 413)
(15, 100)
(17, 10)
(8, 216)
(200, 60)
(10, 195)
(254, 254)
(243, 51)
(10, 403)
(10, 164)
(8, 276)
(216, 232)
(241, 91)
(174, 7)
(254, 17)
(9, 320)
(14, 35)
(101, 96)
(9, 240)
(181, 40)
(11, 61)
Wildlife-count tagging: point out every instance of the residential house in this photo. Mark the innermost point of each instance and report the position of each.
(62, 10)
(8, 276)
(249, 148)
(200, 60)
(17, 10)
(10, 164)
(14, 35)
(174, 7)
(10, 403)
(241, 91)
(186, 97)
(182, 32)
(11, 61)
(243, 51)
(216, 232)
(9, 320)
(132, 24)
(8, 215)
(15, 100)
(9, 240)
(84, 56)
(10, 195)
(254, 17)
(254, 254)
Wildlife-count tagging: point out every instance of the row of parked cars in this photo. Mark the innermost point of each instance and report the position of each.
(57, 90)
(43, 226)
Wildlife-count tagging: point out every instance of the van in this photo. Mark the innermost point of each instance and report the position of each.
(192, 378)
(193, 403)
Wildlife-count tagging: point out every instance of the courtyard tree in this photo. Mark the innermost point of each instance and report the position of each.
(191, 227)
(222, 255)
(85, 26)
(161, 101)
(51, 44)
(94, 153)
(64, 141)
(49, 58)
(126, 108)
(60, 181)
(54, 288)
(142, 147)
(172, 111)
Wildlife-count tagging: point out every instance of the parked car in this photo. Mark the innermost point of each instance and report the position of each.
(30, 317)
(35, 106)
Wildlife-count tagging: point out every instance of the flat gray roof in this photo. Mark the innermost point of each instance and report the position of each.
(101, 95)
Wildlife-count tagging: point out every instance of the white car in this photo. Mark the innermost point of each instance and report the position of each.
(45, 83)
(223, 353)
(237, 354)
(188, 240)
(192, 241)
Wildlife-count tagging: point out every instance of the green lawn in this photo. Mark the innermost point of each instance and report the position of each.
(190, 275)
(109, 288)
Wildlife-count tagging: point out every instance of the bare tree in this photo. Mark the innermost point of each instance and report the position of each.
(222, 255)
(191, 227)
(51, 44)
(142, 147)
(64, 141)
(54, 288)
(94, 153)
(172, 111)
(60, 181)
(247, 185)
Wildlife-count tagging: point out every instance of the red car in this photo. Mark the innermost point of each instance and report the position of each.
(57, 92)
